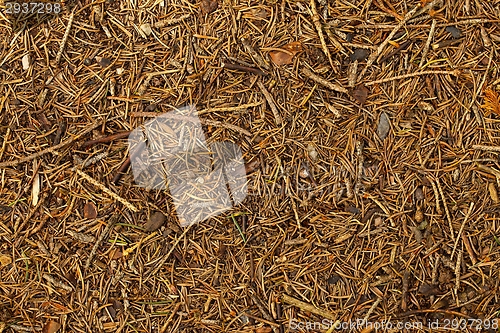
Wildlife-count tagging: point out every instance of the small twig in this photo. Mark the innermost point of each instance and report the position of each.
(94, 159)
(81, 237)
(50, 149)
(106, 139)
(106, 190)
(404, 296)
(308, 307)
(461, 229)
(486, 148)
(434, 276)
(449, 312)
(436, 196)
(39, 225)
(372, 308)
(256, 56)
(402, 47)
(317, 25)
(446, 209)
(18, 228)
(358, 186)
(164, 23)
(243, 68)
(428, 43)
(262, 309)
(102, 236)
(271, 323)
(65, 37)
(121, 171)
(170, 318)
(380, 49)
(468, 248)
(458, 266)
(57, 283)
(318, 79)
(406, 76)
(172, 248)
(270, 101)
(239, 61)
(352, 74)
(4, 144)
(130, 249)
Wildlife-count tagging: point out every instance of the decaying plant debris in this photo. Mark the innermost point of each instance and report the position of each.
(372, 154)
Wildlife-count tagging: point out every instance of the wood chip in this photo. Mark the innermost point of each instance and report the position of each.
(493, 192)
(26, 61)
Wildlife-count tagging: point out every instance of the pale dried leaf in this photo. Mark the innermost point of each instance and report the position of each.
(286, 58)
(5, 260)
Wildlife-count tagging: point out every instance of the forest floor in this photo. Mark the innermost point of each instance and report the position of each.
(370, 132)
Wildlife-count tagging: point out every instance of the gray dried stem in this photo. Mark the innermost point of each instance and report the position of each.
(270, 101)
(111, 223)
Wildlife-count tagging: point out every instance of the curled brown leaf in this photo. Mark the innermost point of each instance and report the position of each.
(286, 56)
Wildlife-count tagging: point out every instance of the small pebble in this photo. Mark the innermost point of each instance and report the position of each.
(87, 61)
(383, 126)
(419, 194)
(454, 31)
(333, 279)
(359, 54)
(103, 62)
(151, 107)
(155, 222)
(352, 210)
